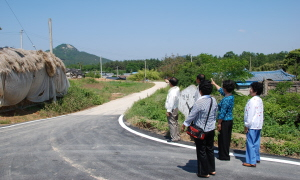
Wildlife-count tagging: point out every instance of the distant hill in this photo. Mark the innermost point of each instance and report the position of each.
(70, 55)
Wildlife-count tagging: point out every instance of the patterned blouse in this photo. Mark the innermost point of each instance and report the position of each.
(200, 111)
(225, 107)
(254, 113)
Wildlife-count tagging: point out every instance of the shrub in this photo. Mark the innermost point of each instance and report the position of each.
(76, 99)
(150, 74)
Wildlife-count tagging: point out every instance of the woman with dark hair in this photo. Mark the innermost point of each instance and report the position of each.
(253, 120)
(199, 115)
(225, 118)
(200, 78)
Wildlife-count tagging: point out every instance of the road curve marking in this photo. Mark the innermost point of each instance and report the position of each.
(30, 122)
(121, 122)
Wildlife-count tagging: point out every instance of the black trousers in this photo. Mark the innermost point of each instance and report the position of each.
(205, 153)
(224, 139)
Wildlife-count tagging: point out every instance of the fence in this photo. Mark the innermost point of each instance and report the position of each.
(269, 85)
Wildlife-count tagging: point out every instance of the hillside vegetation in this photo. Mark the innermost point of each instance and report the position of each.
(230, 65)
(71, 56)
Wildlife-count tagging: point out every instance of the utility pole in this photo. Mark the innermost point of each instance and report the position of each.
(21, 33)
(250, 65)
(100, 67)
(191, 58)
(117, 71)
(50, 34)
(145, 70)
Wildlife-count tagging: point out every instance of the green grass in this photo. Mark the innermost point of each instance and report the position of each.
(281, 117)
(152, 109)
(88, 92)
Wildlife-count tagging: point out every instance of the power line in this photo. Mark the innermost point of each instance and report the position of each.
(20, 24)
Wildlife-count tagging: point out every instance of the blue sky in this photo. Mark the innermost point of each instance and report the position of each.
(143, 29)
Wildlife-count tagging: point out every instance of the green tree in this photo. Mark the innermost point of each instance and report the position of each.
(269, 66)
(259, 60)
(291, 63)
(212, 67)
(150, 74)
(230, 54)
(171, 65)
(132, 67)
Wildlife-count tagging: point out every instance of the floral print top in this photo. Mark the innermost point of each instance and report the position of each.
(225, 107)
(254, 113)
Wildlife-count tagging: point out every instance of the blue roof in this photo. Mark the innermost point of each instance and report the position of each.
(278, 75)
(244, 84)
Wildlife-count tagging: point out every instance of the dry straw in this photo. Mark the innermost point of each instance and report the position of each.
(19, 60)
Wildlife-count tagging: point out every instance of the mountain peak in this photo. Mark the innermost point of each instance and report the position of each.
(70, 55)
(67, 47)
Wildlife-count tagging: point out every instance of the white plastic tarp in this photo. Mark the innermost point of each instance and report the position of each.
(33, 75)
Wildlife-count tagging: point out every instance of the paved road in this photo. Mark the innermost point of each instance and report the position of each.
(93, 145)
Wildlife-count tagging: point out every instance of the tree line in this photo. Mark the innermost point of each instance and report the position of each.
(230, 65)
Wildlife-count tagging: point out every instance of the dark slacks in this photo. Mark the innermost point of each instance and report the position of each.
(205, 153)
(224, 139)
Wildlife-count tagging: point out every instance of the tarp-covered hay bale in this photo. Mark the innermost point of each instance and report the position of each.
(36, 76)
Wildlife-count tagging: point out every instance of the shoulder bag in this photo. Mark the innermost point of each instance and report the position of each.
(195, 131)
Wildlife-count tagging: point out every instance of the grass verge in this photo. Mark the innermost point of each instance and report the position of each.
(154, 119)
(82, 94)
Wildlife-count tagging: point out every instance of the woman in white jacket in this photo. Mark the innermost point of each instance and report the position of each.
(253, 121)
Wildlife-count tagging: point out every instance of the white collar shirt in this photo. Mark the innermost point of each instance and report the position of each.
(172, 98)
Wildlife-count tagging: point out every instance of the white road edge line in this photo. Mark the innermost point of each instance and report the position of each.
(29, 122)
(121, 122)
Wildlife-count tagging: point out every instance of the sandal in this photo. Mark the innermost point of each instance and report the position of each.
(212, 173)
(203, 176)
(249, 165)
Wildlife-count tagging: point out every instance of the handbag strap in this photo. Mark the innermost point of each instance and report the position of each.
(192, 123)
(208, 114)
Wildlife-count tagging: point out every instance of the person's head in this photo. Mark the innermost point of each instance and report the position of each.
(256, 88)
(166, 79)
(229, 85)
(173, 81)
(200, 78)
(205, 87)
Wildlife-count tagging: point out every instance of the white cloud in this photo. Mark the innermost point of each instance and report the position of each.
(242, 30)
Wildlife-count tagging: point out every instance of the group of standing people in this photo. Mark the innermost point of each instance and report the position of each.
(206, 112)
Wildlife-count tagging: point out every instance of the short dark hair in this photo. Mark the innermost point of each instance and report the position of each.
(173, 81)
(229, 85)
(257, 87)
(201, 77)
(206, 87)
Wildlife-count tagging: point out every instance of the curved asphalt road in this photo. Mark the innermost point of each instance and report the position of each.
(91, 144)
